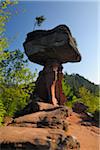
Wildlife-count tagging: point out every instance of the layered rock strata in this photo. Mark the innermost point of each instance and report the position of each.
(44, 129)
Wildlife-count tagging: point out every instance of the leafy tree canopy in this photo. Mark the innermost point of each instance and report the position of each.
(16, 80)
(17, 83)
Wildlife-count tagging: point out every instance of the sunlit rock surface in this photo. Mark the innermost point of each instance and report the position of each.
(44, 129)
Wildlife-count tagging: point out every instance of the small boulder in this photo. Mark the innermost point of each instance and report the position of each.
(79, 107)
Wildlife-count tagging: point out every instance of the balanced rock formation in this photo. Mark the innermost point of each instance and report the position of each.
(43, 126)
(44, 129)
(51, 48)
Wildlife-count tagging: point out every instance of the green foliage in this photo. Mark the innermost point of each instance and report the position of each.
(17, 83)
(89, 99)
(16, 80)
(74, 91)
(2, 111)
(71, 98)
(96, 115)
(4, 3)
(67, 89)
(70, 102)
(4, 18)
(14, 69)
(14, 98)
(76, 81)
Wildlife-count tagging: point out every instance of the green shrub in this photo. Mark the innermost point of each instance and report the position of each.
(2, 111)
(17, 83)
(96, 115)
(89, 99)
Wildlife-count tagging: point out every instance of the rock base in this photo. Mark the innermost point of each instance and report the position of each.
(43, 129)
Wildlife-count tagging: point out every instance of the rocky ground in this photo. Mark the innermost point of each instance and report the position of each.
(87, 134)
(42, 126)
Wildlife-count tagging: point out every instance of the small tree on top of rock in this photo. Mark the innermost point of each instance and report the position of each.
(39, 20)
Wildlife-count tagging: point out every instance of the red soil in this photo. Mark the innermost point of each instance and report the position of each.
(88, 136)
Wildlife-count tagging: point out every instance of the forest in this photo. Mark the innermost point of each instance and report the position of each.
(15, 76)
(77, 88)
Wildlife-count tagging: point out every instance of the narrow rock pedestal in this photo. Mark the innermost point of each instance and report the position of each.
(49, 84)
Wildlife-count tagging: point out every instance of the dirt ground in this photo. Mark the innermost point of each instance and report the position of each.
(88, 136)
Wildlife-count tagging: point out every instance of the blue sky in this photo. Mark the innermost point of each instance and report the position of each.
(80, 17)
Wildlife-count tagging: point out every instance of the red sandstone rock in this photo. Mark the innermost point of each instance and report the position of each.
(14, 138)
(50, 118)
(51, 48)
(41, 130)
